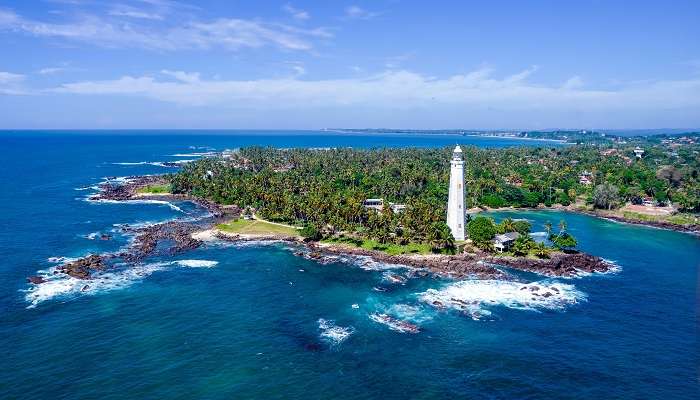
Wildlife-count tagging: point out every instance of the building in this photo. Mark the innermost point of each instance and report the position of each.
(505, 241)
(586, 178)
(638, 152)
(455, 202)
(378, 205)
(397, 208)
(375, 204)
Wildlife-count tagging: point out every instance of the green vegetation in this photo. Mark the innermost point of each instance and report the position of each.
(256, 227)
(324, 190)
(481, 230)
(677, 219)
(389, 248)
(606, 196)
(155, 189)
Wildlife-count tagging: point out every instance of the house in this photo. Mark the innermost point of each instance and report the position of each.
(505, 241)
(397, 208)
(378, 205)
(585, 178)
(375, 204)
(638, 152)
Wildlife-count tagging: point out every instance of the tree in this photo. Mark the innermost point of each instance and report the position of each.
(440, 236)
(310, 232)
(564, 241)
(605, 196)
(481, 229)
(522, 226)
(541, 250)
(548, 229)
(522, 245)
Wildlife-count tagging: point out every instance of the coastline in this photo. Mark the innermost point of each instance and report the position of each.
(183, 236)
(693, 229)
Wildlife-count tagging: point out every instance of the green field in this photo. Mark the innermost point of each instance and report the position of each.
(256, 227)
(678, 219)
(389, 248)
(154, 189)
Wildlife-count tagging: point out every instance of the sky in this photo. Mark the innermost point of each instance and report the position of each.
(161, 64)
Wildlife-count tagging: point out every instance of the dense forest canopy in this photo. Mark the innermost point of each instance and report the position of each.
(326, 187)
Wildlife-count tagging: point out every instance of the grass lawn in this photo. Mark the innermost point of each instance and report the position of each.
(389, 248)
(155, 189)
(257, 227)
(678, 219)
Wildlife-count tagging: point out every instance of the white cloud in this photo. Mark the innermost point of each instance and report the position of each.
(355, 12)
(228, 33)
(51, 70)
(192, 77)
(574, 82)
(398, 90)
(10, 83)
(296, 13)
(126, 11)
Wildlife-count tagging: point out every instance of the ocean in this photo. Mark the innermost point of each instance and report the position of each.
(255, 321)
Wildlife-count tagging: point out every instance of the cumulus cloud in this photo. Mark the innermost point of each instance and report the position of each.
(228, 33)
(397, 90)
(355, 12)
(131, 12)
(296, 13)
(10, 83)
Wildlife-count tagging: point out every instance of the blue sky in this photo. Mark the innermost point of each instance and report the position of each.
(315, 64)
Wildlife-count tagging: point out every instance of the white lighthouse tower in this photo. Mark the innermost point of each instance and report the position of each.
(455, 203)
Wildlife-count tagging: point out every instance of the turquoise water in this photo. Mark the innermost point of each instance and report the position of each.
(256, 321)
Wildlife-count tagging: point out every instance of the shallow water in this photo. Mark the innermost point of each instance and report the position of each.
(255, 321)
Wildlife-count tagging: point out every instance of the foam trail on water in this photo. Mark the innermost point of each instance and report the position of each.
(64, 286)
(149, 201)
(196, 263)
(333, 333)
(475, 296)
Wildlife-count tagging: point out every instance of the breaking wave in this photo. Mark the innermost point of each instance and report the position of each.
(148, 201)
(333, 333)
(474, 297)
(196, 154)
(196, 263)
(62, 286)
(165, 164)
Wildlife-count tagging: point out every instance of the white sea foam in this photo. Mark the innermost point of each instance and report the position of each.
(475, 296)
(414, 313)
(196, 263)
(63, 286)
(333, 333)
(61, 260)
(195, 154)
(395, 324)
(165, 164)
(93, 187)
(149, 201)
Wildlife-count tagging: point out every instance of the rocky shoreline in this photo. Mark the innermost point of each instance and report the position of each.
(177, 236)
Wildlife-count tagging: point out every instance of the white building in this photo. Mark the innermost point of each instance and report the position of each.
(455, 203)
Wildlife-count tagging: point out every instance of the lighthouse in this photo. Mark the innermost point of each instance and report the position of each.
(455, 202)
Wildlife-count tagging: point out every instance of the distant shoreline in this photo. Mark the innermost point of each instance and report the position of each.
(689, 229)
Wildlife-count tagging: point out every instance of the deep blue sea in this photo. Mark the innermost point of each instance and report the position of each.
(256, 321)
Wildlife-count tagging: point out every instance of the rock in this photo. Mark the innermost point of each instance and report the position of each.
(36, 280)
(82, 268)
